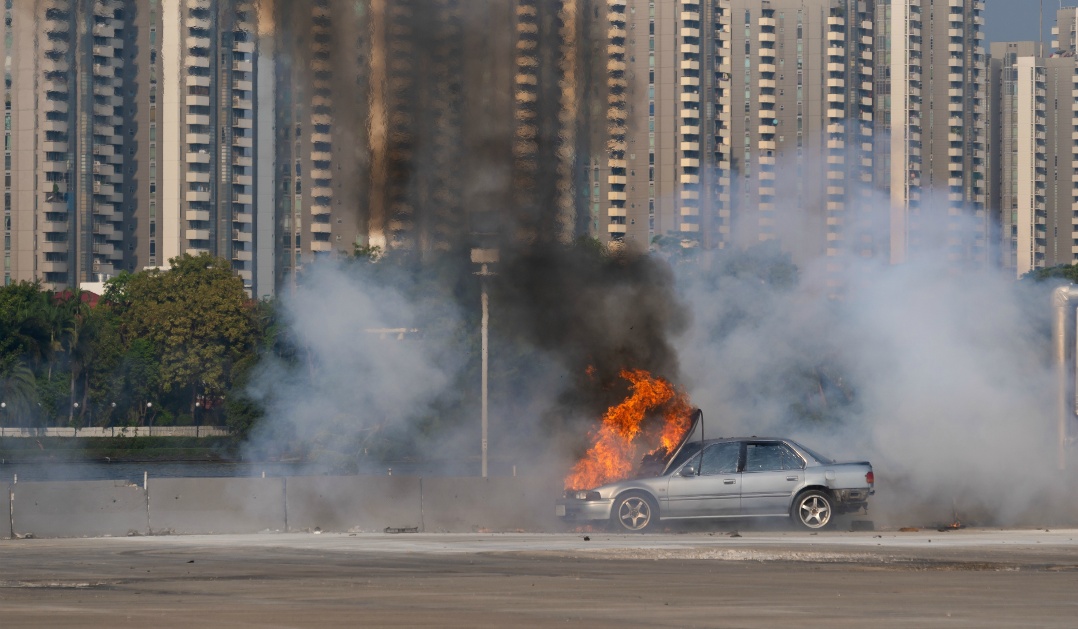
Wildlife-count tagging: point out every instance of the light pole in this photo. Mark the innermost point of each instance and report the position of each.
(484, 257)
(3, 412)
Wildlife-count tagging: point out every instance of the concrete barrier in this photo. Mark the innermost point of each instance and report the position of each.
(462, 505)
(252, 505)
(353, 503)
(77, 509)
(216, 505)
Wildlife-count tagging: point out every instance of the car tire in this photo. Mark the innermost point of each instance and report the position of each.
(813, 510)
(634, 512)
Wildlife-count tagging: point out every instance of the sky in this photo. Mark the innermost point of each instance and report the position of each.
(1016, 20)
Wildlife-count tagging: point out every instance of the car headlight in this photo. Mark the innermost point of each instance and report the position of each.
(587, 495)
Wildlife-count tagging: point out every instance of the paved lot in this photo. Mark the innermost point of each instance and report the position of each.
(928, 578)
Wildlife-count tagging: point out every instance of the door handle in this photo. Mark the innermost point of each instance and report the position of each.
(728, 481)
(791, 478)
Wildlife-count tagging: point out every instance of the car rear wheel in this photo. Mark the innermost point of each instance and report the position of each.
(813, 510)
(634, 513)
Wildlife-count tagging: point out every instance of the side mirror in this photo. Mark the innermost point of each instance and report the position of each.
(687, 471)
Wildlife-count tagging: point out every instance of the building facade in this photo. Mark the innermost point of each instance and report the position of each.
(1035, 172)
(937, 128)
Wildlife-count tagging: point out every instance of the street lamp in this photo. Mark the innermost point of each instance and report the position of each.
(3, 411)
(484, 257)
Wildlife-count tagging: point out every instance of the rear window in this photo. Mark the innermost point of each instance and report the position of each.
(816, 455)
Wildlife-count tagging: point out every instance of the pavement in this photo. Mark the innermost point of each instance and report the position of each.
(751, 579)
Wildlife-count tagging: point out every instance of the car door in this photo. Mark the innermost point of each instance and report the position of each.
(712, 489)
(771, 474)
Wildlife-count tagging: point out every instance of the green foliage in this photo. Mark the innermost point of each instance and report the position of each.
(197, 317)
(1067, 272)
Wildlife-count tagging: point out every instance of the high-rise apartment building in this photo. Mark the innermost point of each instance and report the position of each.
(135, 132)
(739, 121)
(216, 122)
(658, 166)
(1035, 167)
(69, 152)
(801, 134)
(934, 78)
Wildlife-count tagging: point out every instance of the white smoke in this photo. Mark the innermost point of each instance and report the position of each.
(940, 379)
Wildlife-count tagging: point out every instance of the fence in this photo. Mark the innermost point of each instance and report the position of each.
(120, 431)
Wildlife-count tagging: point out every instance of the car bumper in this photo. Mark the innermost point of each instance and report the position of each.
(572, 509)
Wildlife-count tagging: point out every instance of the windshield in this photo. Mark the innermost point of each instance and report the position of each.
(687, 452)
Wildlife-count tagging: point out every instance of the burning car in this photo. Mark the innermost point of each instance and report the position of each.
(726, 478)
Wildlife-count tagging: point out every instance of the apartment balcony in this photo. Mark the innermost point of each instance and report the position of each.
(197, 234)
(767, 37)
(243, 199)
(247, 47)
(242, 236)
(766, 129)
(197, 177)
(616, 196)
(243, 123)
(767, 68)
(198, 42)
(767, 22)
(836, 51)
(197, 215)
(247, 66)
(200, 157)
(687, 97)
(690, 195)
(689, 178)
(689, 31)
(321, 192)
(199, 23)
(689, 162)
(689, 49)
(243, 180)
(196, 61)
(242, 141)
(690, 146)
(689, 81)
(689, 130)
(197, 119)
(197, 138)
(54, 267)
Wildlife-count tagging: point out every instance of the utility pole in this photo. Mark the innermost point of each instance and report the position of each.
(484, 257)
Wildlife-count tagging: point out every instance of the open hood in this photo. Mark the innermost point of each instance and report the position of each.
(651, 465)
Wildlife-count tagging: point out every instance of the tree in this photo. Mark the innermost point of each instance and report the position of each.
(197, 318)
(1068, 272)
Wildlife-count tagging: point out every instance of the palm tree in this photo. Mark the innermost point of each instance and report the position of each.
(18, 389)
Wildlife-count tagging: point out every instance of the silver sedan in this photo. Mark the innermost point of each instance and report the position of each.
(727, 478)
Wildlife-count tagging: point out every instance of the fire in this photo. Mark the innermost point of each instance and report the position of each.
(613, 454)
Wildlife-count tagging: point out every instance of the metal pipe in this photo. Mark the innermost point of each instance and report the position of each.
(1061, 299)
(486, 321)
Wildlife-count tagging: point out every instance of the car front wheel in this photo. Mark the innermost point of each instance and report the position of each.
(634, 513)
(813, 510)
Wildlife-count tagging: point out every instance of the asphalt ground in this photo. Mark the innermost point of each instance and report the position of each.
(923, 578)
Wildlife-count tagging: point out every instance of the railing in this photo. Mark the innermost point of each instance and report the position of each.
(119, 431)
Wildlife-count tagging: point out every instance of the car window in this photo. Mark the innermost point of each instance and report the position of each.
(762, 457)
(720, 458)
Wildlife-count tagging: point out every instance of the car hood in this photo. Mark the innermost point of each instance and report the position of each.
(695, 433)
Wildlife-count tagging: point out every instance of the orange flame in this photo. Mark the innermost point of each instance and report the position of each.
(613, 454)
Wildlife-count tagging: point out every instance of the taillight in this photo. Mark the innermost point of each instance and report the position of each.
(870, 478)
